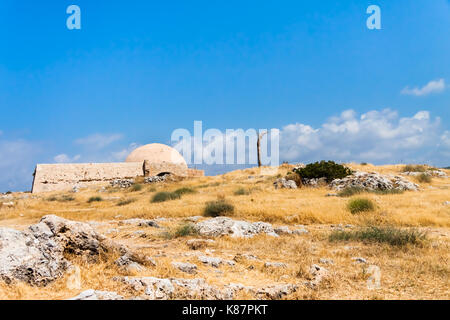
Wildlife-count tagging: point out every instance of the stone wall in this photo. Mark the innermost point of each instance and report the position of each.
(56, 177)
(60, 177)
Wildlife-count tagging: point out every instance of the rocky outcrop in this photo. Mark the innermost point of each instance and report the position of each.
(37, 255)
(185, 267)
(163, 289)
(282, 183)
(373, 181)
(122, 183)
(221, 226)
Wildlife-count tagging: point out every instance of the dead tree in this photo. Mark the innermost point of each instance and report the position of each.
(258, 146)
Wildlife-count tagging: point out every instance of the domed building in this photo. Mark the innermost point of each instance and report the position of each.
(159, 159)
(150, 160)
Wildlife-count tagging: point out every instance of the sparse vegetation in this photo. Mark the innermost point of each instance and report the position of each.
(351, 191)
(324, 169)
(414, 168)
(185, 190)
(424, 178)
(95, 199)
(183, 230)
(63, 198)
(125, 202)
(165, 196)
(218, 208)
(358, 205)
(242, 192)
(136, 187)
(390, 235)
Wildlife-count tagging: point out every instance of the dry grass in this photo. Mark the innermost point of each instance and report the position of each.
(408, 272)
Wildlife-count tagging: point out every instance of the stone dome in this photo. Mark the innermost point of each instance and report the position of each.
(157, 154)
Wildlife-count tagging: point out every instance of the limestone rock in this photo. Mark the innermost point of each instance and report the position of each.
(275, 292)
(318, 273)
(139, 222)
(185, 267)
(37, 255)
(373, 181)
(215, 262)
(282, 183)
(359, 260)
(275, 265)
(221, 226)
(97, 295)
(74, 279)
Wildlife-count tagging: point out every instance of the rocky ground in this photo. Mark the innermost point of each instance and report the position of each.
(276, 244)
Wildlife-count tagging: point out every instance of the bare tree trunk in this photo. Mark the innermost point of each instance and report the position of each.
(258, 146)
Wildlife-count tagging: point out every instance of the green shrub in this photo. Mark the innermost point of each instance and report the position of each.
(241, 192)
(165, 196)
(63, 198)
(350, 191)
(124, 202)
(424, 178)
(414, 168)
(185, 230)
(323, 169)
(136, 187)
(52, 198)
(184, 190)
(95, 199)
(364, 163)
(389, 235)
(218, 208)
(360, 205)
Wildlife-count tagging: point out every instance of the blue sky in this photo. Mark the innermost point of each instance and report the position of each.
(137, 70)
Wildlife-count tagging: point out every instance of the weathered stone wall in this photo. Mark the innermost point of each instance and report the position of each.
(59, 177)
(55, 177)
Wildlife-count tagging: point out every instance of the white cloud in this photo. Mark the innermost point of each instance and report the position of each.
(64, 158)
(434, 86)
(99, 140)
(377, 136)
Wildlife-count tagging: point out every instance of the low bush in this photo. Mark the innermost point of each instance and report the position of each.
(218, 208)
(414, 168)
(424, 178)
(358, 205)
(165, 196)
(136, 187)
(125, 202)
(95, 199)
(184, 190)
(390, 235)
(241, 192)
(323, 169)
(351, 191)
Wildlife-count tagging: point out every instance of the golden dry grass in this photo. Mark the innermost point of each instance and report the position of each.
(411, 272)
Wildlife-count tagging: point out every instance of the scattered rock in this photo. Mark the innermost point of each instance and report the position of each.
(300, 231)
(315, 182)
(74, 279)
(247, 256)
(75, 189)
(154, 179)
(274, 265)
(194, 218)
(195, 244)
(127, 264)
(221, 226)
(275, 292)
(282, 230)
(318, 273)
(163, 289)
(8, 204)
(373, 181)
(185, 267)
(326, 261)
(97, 295)
(215, 262)
(331, 195)
(446, 203)
(282, 183)
(122, 183)
(139, 222)
(359, 260)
